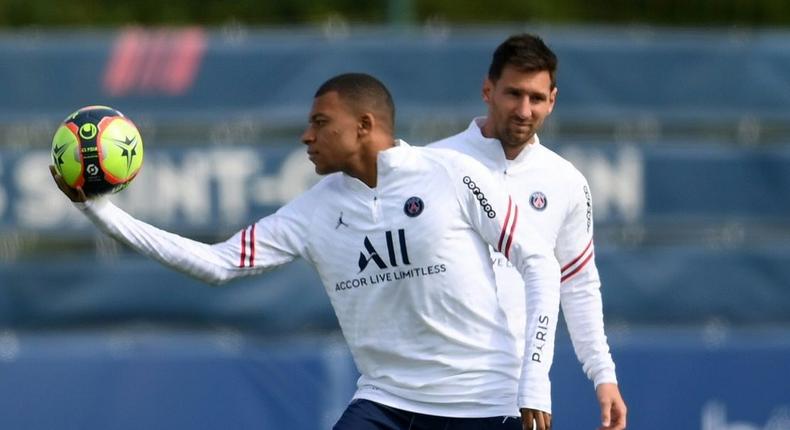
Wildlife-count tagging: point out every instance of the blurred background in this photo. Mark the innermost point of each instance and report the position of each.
(677, 112)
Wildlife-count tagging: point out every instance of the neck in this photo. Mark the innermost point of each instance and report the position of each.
(365, 168)
(511, 150)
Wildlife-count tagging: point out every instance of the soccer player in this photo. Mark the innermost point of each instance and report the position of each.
(520, 92)
(399, 236)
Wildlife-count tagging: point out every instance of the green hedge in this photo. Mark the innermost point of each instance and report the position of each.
(103, 13)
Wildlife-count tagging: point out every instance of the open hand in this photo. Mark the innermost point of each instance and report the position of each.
(74, 194)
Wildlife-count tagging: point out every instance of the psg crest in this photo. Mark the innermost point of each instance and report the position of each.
(538, 200)
(413, 206)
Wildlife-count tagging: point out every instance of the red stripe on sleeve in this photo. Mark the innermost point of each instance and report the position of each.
(576, 270)
(243, 247)
(565, 267)
(252, 246)
(512, 230)
(504, 226)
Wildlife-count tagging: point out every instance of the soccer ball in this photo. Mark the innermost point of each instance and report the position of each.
(99, 149)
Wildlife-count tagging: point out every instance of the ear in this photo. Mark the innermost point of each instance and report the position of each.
(553, 98)
(365, 124)
(488, 90)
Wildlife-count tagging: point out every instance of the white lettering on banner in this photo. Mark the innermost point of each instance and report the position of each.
(169, 191)
(199, 188)
(166, 191)
(234, 174)
(617, 184)
(39, 202)
(714, 417)
(296, 175)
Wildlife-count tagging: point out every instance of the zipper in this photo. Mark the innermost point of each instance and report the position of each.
(376, 208)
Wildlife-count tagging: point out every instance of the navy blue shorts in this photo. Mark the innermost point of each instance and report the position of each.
(363, 414)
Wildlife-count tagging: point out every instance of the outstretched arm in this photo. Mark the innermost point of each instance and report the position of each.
(270, 242)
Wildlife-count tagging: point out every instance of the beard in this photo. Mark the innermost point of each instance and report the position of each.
(516, 136)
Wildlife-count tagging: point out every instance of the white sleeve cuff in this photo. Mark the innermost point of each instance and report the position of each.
(605, 376)
(527, 402)
(92, 205)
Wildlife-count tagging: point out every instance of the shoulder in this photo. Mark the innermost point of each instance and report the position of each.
(561, 169)
(465, 142)
(463, 174)
(327, 184)
(423, 161)
(452, 161)
(563, 177)
(323, 191)
(456, 142)
(437, 166)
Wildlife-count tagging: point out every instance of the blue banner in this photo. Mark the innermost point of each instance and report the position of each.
(217, 188)
(603, 73)
(185, 188)
(137, 377)
(679, 196)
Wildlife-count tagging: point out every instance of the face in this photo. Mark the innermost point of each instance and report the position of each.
(518, 103)
(331, 134)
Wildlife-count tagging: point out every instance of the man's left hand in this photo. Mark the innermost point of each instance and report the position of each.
(613, 409)
(533, 419)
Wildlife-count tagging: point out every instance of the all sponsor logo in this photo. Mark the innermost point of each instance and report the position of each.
(371, 254)
(395, 260)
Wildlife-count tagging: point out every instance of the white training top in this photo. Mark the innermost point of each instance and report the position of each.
(555, 198)
(407, 268)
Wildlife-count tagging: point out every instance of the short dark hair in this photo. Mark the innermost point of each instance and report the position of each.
(362, 92)
(527, 53)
